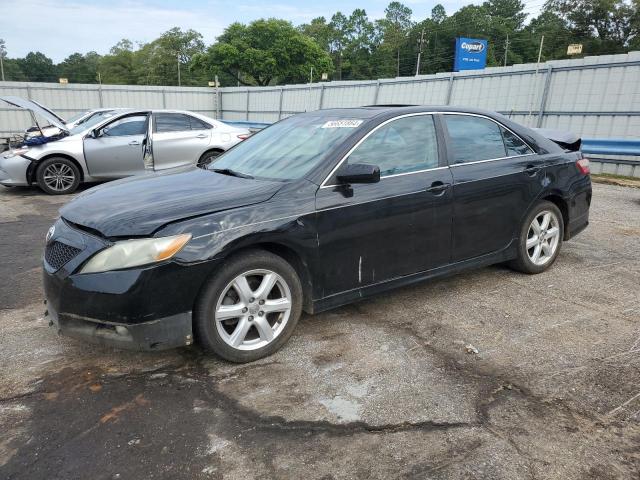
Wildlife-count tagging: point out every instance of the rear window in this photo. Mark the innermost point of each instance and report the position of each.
(171, 122)
(474, 138)
(477, 138)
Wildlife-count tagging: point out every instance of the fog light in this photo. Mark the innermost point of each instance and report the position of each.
(120, 330)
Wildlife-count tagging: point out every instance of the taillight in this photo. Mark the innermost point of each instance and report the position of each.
(583, 166)
(244, 136)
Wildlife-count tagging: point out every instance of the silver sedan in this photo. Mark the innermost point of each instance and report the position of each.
(127, 143)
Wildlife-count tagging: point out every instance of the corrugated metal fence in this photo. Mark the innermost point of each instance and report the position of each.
(67, 100)
(595, 97)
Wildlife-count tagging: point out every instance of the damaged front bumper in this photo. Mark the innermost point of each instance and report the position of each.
(143, 308)
(160, 334)
(13, 170)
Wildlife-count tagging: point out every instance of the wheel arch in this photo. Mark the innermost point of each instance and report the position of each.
(33, 167)
(292, 257)
(561, 203)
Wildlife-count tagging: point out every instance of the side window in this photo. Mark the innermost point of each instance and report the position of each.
(133, 125)
(197, 124)
(474, 138)
(514, 145)
(405, 145)
(171, 122)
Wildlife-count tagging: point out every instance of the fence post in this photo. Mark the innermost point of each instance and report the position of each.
(247, 108)
(545, 95)
(218, 100)
(449, 89)
(280, 103)
(29, 91)
(100, 95)
(321, 96)
(164, 98)
(376, 92)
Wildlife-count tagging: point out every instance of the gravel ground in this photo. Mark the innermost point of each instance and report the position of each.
(380, 389)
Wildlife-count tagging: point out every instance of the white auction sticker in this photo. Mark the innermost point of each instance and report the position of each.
(342, 124)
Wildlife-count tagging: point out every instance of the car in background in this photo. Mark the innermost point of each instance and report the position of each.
(86, 117)
(316, 211)
(129, 142)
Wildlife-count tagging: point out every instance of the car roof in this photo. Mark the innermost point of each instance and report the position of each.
(371, 111)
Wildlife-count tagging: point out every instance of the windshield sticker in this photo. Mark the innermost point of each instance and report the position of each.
(342, 124)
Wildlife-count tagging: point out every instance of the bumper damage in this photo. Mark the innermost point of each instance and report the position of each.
(160, 334)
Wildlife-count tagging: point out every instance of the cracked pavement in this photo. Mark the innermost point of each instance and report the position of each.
(383, 388)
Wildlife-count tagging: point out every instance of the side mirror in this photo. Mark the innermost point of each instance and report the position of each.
(94, 133)
(358, 173)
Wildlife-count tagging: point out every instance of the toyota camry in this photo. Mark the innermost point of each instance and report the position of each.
(316, 211)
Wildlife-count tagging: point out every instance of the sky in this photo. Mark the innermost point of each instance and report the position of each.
(60, 28)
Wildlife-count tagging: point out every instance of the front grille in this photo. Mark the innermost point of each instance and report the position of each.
(58, 254)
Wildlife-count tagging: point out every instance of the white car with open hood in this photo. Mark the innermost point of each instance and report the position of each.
(125, 142)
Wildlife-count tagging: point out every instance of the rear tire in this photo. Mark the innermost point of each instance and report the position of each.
(249, 308)
(208, 157)
(540, 239)
(58, 176)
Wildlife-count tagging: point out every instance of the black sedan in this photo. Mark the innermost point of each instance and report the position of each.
(318, 210)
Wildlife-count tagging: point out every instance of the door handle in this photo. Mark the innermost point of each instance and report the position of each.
(202, 135)
(532, 170)
(134, 142)
(438, 188)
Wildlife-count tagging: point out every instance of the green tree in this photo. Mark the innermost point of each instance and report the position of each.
(159, 60)
(395, 28)
(339, 28)
(79, 68)
(605, 26)
(265, 52)
(362, 41)
(321, 32)
(120, 65)
(37, 67)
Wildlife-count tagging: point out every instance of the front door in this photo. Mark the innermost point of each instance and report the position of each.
(371, 233)
(178, 139)
(117, 149)
(496, 176)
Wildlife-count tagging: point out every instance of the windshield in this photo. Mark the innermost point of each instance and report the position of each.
(76, 117)
(91, 121)
(289, 149)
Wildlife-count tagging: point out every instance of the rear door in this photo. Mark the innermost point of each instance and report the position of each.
(178, 139)
(496, 176)
(117, 150)
(370, 233)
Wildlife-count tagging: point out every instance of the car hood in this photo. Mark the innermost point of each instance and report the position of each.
(36, 108)
(138, 206)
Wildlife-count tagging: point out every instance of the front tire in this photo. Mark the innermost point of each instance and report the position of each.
(540, 239)
(58, 176)
(249, 309)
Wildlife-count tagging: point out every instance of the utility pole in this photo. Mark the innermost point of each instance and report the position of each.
(420, 52)
(3, 52)
(178, 69)
(506, 50)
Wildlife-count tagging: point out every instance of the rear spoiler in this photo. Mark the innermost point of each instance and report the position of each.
(567, 140)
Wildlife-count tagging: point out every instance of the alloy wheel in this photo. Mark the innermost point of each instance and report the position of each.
(59, 177)
(543, 237)
(253, 309)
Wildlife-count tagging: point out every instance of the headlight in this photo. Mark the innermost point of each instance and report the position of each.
(132, 253)
(17, 151)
